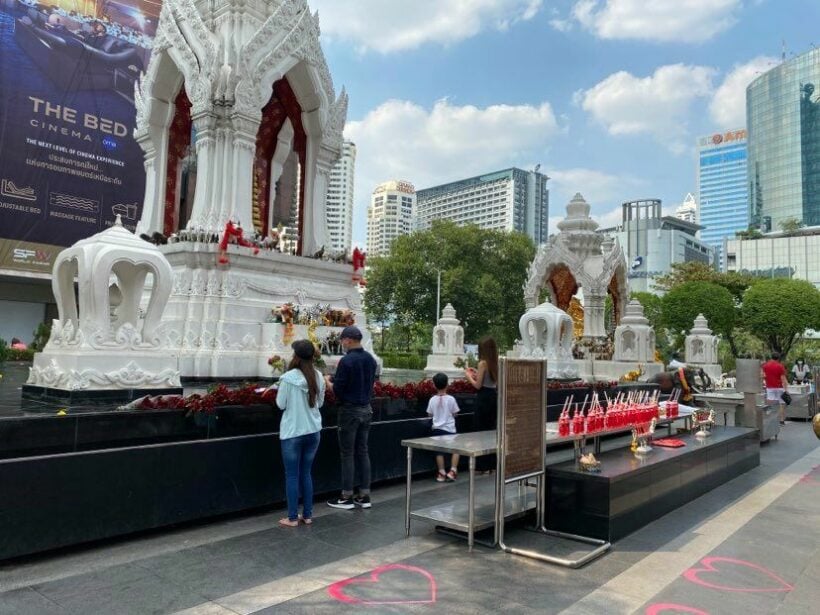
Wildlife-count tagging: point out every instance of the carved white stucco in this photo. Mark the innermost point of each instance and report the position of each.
(702, 348)
(634, 338)
(448, 345)
(592, 259)
(108, 343)
(227, 54)
(546, 333)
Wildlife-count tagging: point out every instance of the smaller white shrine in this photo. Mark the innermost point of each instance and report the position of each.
(634, 338)
(108, 344)
(448, 345)
(547, 333)
(702, 348)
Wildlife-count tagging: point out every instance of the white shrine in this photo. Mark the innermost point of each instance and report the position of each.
(702, 348)
(634, 338)
(448, 345)
(242, 88)
(579, 258)
(106, 345)
(546, 333)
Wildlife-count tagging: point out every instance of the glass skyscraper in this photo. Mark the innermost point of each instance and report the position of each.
(783, 115)
(722, 186)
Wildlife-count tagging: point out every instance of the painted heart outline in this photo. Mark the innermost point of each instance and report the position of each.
(337, 590)
(708, 566)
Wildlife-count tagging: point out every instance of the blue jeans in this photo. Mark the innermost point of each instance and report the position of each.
(297, 455)
(354, 429)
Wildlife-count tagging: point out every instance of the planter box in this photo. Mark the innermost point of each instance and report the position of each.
(74, 479)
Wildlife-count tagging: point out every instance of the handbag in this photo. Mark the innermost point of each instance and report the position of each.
(787, 398)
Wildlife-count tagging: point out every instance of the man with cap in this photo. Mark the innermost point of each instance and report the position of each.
(353, 386)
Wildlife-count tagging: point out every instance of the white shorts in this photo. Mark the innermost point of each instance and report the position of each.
(775, 395)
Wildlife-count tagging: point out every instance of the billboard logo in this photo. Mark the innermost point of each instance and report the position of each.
(109, 143)
(23, 255)
(7, 188)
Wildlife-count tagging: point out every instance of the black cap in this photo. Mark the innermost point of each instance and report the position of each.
(351, 332)
(304, 349)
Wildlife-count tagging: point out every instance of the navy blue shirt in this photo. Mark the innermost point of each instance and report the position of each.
(354, 378)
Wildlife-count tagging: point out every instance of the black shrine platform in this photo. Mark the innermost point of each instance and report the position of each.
(630, 491)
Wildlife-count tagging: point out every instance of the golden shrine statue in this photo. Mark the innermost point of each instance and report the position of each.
(576, 312)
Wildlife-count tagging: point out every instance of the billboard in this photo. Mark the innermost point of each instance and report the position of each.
(68, 161)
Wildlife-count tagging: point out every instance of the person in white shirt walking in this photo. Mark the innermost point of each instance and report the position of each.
(443, 408)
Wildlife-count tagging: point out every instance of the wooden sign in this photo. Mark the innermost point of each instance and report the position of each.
(523, 414)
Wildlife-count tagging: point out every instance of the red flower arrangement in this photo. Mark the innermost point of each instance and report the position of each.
(220, 395)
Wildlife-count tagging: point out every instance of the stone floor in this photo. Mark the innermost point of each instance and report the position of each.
(751, 546)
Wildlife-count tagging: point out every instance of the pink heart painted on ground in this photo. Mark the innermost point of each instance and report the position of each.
(337, 590)
(694, 575)
(657, 609)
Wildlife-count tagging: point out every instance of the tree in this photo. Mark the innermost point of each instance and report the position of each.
(682, 304)
(695, 271)
(482, 275)
(780, 311)
(790, 226)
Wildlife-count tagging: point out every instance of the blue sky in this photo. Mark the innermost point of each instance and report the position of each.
(607, 95)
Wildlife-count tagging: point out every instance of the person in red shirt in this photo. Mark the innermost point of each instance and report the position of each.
(774, 376)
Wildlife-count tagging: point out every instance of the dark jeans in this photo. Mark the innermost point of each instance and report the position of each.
(485, 419)
(297, 455)
(354, 428)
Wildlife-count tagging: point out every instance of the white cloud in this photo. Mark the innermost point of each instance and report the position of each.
(400, 25)
(562, 25)
(678, 21)
(728, 106)
(402, 140)
(657, 105)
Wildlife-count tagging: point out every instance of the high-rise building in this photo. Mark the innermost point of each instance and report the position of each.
(652, 242)
(777, 255)
(688, 210)
(783, 116)
(390, 214)
(340, 200)
(723, 189)
(510, 200)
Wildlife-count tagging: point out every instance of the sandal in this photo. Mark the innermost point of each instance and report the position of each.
(306, 520)
(452, 475)
(441, 476)
(285, 522)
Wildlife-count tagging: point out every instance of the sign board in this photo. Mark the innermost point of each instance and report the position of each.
(522, 415)
(68, 161)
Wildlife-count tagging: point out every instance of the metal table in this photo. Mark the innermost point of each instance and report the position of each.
(470, 445)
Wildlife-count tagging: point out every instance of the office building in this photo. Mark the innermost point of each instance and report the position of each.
(508, 200)
(390, 214)
(339, 211)
(688, 210)
(652, 243)
(777, 256)
(723, 189)
(783, 116)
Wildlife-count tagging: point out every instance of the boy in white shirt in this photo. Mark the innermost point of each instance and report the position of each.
(443, 408)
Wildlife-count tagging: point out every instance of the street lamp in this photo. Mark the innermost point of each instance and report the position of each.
(438, 296)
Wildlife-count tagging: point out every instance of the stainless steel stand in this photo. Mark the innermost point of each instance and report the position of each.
(502, 481)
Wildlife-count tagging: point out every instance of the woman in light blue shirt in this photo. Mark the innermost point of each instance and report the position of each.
(301, 393)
